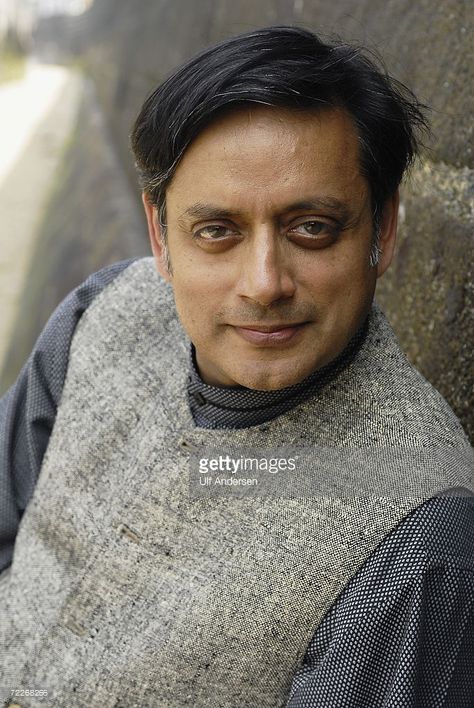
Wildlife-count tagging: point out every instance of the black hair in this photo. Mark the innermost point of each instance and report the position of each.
(286, 67)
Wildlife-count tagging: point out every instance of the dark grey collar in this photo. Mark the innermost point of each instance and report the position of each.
(240, 407)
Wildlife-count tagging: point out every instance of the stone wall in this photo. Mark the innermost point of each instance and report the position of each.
(91, 219)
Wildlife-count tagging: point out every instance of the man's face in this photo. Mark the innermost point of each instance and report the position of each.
(269, 235)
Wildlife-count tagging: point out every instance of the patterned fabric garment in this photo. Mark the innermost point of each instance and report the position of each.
(401, 633)
(239, 407)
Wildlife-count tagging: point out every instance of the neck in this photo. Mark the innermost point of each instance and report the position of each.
(240, 407)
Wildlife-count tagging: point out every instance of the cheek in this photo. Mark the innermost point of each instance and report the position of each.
(354, 260)
(202, 283)
(340, 287)
(336, 278)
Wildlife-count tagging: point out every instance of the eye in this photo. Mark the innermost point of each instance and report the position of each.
(213, 232)
(315, 228)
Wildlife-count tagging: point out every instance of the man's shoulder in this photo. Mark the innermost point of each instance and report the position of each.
(402, 393)
(134, 280)
(379, 398)
(131, 325)
(138, 298)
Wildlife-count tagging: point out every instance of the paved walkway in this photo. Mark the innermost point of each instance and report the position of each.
(37, 115)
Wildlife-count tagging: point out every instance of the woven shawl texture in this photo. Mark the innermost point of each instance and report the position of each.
(124, 590)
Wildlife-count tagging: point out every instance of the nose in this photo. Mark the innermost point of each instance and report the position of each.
(266, 276)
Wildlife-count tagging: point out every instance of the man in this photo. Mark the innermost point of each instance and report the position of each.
(270, 166)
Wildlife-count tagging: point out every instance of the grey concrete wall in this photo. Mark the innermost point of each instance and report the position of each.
(91, 219)
(428, 295)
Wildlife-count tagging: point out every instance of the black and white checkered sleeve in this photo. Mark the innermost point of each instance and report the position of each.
(401, 634)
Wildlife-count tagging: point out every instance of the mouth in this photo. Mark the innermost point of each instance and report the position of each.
(270, 334)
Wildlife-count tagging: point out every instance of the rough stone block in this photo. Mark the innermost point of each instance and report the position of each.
(428, 292)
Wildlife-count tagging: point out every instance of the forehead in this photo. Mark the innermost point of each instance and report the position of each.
(265, 151)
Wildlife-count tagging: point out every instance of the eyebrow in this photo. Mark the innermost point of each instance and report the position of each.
(211, 211)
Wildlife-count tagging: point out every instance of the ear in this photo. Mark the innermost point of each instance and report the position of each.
(156, 236)
(388, 233)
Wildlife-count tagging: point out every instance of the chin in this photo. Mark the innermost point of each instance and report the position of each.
(268, 381)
